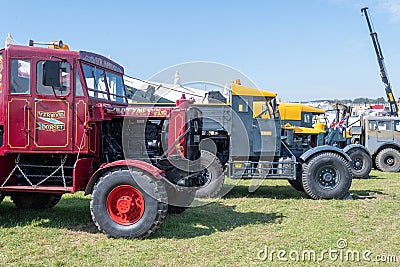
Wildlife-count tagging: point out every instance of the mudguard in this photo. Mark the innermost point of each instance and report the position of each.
(325, 148)
(146, 167)
(385, 145)
(349, 147)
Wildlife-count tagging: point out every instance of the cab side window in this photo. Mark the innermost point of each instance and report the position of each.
(20, 76)
(397, 126)
(1, 72)
(373, 125)
(78, 84)
(307, 118)
(243, 105)
(64, 80)
(384, 125)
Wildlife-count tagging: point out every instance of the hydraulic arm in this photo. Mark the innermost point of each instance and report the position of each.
(388, 88)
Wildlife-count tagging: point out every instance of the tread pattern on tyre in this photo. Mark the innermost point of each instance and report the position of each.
(379, 160)
(367, 166)
(214, 187)
(316, 158)
(161, 209)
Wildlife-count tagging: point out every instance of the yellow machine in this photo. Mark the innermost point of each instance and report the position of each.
(301, 120)
(299, 117)
(294, 116)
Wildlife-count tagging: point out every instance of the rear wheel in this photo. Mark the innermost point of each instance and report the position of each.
(327, 176)
(214, 175)
(35, 200)
(388, 160)
(128, 204)
(361, 162)
(182, 199)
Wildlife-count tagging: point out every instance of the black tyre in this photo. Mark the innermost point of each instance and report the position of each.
(128, 204)
(214, 173)
(388, 160)
(175, 209)
(182, 199)
(361, 163)
(298, 183)
(35, 200)
(327, 176)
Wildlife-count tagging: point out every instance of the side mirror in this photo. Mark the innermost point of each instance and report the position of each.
(51, 73)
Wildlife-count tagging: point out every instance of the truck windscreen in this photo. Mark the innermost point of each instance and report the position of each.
(103, 84)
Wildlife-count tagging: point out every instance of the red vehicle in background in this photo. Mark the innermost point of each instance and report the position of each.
(65, 126)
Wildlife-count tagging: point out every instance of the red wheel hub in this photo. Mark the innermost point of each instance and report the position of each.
(125, 204)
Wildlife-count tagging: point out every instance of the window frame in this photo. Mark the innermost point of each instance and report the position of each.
(11, 76)
(243, 105)
(78, 80)
(115, 95)
(385, 125)
(38, 83)
(107, 91)
(1, 71)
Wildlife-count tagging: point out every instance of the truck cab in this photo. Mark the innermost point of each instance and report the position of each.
(254, 136)
(300, 115)
(38, 119)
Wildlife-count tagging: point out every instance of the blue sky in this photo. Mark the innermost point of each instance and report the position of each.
(302, 50)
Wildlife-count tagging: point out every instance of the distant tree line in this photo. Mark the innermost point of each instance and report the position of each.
(359, 100)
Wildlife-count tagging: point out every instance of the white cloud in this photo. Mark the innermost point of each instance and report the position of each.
(393, 7)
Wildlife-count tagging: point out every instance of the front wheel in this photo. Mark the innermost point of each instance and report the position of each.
(128, 204)
(327, 176)
(361, 163)
(388, 160)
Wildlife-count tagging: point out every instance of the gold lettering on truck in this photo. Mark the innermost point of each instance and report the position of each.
(50, 121)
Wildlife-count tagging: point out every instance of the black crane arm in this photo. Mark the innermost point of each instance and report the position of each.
(382, 69)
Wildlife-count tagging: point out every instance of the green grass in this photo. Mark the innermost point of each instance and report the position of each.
(228, 232)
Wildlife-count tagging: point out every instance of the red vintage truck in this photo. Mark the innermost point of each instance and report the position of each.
(65, 126)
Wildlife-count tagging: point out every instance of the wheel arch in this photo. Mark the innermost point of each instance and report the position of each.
(147, 168)
(352, 146)
(321, 149)
(384, 146)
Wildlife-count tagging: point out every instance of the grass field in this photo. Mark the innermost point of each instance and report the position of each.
(239, 230)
